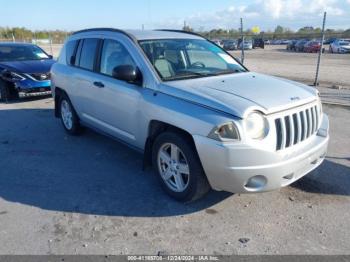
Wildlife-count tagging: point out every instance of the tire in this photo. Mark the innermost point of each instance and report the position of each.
(194, 181)
(3, 91)
(69, 117)
(7, 93)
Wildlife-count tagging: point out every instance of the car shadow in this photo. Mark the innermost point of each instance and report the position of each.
(27, 98)
(41, 166)
(330, 178)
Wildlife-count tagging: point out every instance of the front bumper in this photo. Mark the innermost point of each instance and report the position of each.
(32, 86)
(240, 168)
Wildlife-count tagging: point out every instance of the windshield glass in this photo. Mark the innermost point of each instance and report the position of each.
(176, 59)
(344, 43)
(21, 53)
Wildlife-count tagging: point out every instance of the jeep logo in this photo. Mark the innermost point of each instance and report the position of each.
(295, 98)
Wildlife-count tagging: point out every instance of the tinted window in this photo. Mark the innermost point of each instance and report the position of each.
(114, 54)
(87, 56)
(21, 53)
(70, 48)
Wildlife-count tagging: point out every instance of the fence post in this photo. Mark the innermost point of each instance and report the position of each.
(242, 37)
(50, 40)
(320, 53)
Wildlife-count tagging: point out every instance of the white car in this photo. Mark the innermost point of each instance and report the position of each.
(340, 46)
(248, 45)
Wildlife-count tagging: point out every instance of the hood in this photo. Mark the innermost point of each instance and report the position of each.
(29, 67)
(238, 94)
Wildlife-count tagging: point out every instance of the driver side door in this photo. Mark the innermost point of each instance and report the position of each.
(115, 101)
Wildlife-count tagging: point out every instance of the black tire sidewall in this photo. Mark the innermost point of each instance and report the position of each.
(197, 176)
(4, 91)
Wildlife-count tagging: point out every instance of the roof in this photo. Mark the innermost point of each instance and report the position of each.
(146, 34)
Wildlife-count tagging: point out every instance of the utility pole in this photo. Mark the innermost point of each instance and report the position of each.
(242, 43)
(50, 41)
(320, 53)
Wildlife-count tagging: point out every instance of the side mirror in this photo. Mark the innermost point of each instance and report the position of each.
(128, 73)
(50, 56)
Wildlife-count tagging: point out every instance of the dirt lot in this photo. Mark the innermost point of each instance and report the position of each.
(275, 60)
(88, 195)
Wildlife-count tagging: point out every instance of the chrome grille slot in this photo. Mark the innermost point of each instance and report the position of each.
(296, 127)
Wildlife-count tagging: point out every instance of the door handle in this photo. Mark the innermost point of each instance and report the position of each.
(99, 84)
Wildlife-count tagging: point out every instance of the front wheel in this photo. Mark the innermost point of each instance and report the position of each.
(68, 116)
(7, 93)
(178, 167)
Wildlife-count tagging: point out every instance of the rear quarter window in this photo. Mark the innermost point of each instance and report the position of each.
(70, 51)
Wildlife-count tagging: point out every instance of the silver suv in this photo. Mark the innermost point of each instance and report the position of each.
(200, 117)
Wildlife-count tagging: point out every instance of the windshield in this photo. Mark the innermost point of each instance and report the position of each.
(21, 53)
(344, 43)
(176, 59)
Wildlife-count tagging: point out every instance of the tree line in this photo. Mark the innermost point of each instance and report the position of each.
(280, 32)
(26, 35)
(58, 36)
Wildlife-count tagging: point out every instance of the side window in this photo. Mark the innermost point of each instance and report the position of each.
(88, 52)
(114, 54)
(70, 49)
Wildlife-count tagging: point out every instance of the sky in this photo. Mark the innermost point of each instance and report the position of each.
(199, 14)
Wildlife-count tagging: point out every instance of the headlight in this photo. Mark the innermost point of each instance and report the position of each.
(12, 76)
(256, 125)
(225, 132)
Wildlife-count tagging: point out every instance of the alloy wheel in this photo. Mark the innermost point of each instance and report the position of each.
(173, 167)
(67, 114)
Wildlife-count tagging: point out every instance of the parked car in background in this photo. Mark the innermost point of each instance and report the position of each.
(341, 46)
(329, 41)
(312, 46)
(230, 44)
(201, 118)
(291, 45)
(247, 45)
(23, 68)
(299, 45)
(258, 43)
(285, 42)
(218, 42)
(267, 42)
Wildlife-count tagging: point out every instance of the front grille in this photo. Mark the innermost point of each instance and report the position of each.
(296, 127)
(41, 76)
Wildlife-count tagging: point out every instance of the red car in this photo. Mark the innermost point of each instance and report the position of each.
(312, 47)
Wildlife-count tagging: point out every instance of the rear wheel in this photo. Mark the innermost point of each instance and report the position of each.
(68, 116)
(178, 167)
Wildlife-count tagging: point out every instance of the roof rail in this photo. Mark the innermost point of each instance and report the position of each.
(180, 31)
(106, 29)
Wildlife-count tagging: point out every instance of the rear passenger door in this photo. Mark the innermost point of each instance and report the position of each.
(83, 77)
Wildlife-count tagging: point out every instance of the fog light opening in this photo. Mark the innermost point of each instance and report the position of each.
(256, 183)
(289, 177)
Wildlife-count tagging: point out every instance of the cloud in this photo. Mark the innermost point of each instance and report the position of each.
(268, 12)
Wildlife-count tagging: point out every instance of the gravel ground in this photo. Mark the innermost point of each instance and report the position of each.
(88, 195)
(276, 60)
